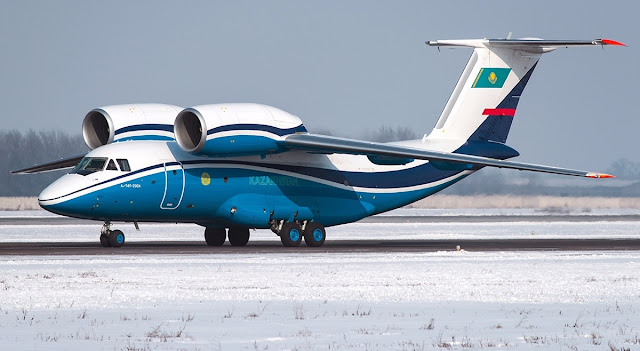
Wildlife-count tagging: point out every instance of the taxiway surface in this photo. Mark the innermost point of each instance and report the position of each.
(338, 246)
(42, 235)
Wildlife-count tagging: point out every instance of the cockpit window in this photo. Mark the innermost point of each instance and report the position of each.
(124, 165)
(89, 165)
(111, 166)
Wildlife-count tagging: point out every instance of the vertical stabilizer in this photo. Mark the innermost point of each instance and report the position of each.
(483, 103)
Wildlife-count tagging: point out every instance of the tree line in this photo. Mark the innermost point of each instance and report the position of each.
(24, 149)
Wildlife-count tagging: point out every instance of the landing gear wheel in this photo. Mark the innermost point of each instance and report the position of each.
(238, 236)
(116, 238)
(215, 236)
(314, 234)
(291, 234)
(104, 240)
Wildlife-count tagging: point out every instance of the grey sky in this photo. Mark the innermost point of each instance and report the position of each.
(338, 65)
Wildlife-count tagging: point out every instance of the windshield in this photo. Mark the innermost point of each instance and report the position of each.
(89, 165)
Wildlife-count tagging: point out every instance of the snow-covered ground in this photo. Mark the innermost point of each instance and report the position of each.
(323, 300)
(374, 301)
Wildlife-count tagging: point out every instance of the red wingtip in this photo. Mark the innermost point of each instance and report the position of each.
(600, 175)
(611, 42)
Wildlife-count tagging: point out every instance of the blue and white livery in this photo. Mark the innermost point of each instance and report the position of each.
(232, 167)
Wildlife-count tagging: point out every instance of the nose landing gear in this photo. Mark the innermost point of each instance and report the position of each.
(111, 238)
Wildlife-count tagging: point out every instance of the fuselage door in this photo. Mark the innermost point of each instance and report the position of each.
(173, 185)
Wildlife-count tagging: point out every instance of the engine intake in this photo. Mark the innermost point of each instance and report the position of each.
(108, 124)
(225, 130)
(97, 129)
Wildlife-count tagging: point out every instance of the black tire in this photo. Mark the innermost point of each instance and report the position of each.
(314, 234)
(116, 238)
(291, 234)
(215, 236)
(104, 240)
(238, 236)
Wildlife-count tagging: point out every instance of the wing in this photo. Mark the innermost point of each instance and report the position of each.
(51, 166)
(326, 144)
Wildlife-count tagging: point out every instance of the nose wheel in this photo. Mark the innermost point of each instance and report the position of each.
(111, 238)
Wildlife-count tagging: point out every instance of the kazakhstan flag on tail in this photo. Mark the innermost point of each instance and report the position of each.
(491, 78)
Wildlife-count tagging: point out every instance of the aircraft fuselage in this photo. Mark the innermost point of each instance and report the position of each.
(165, 184)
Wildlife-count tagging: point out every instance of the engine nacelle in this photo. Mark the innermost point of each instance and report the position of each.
(109, 124)
(224, 130)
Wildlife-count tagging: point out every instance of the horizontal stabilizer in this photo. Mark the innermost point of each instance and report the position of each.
(327, 144)
(529, 44)
(63, 163)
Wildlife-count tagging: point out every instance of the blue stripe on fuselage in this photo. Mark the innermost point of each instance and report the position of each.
(418, 175)
(115, 178)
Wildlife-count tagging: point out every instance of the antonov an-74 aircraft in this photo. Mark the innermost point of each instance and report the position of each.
(232, 167)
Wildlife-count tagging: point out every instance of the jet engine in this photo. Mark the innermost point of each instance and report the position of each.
(109, 124)
(224, 130)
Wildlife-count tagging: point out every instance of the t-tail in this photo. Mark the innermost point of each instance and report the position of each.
(484, 102)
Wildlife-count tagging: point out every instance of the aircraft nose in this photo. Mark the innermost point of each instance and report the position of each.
(48, 195)
(53, 196)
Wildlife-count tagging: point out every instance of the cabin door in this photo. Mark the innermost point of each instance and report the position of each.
(173, 185)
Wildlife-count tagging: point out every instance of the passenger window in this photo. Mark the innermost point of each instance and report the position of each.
(124, 165)
(111, 166)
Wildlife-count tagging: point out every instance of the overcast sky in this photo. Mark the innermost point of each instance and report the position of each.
(344, 66)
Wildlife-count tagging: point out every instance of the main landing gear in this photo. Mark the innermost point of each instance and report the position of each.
(111, 238)
(291, 233)
(238, 236)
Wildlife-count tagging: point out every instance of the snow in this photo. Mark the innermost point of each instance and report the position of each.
(322, 300)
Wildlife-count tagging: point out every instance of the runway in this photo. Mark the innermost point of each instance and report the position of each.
(380, 219)
(337, 246)
(40, 234)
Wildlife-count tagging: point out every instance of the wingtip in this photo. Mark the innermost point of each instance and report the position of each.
(599, 175)
(611, 42)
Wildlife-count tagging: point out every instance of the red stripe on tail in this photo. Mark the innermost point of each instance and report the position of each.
(499, 112)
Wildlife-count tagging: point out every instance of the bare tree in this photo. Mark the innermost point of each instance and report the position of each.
(385, 134)
(24, 149)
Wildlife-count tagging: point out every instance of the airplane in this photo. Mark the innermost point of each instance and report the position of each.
(239, 166)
